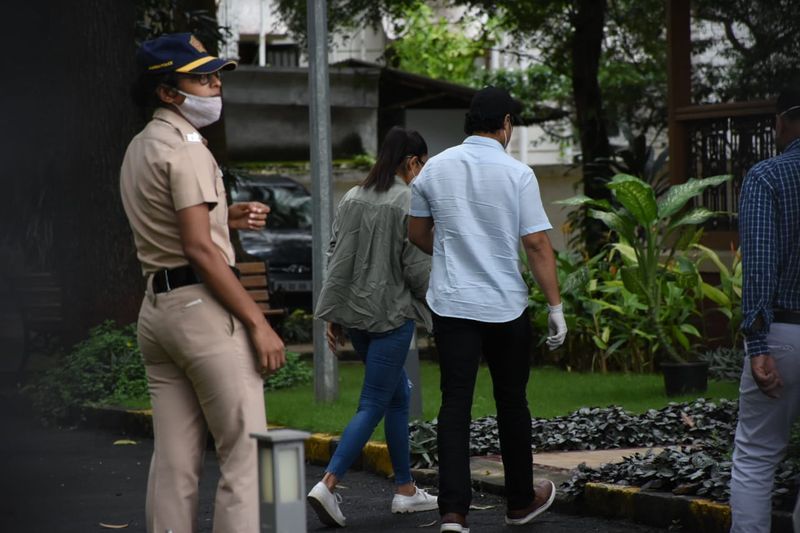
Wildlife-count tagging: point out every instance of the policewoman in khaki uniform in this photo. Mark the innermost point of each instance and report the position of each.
(205, 343)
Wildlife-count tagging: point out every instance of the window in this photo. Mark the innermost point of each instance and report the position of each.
(248, 52)
(282, 55)
(278, 55)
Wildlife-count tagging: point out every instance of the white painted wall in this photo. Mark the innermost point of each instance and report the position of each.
(243, 17)
(557, 182)
(441, 128)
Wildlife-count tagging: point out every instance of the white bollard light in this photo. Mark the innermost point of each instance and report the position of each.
(281, 475)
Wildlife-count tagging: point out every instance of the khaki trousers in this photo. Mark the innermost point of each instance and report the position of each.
(202, 376)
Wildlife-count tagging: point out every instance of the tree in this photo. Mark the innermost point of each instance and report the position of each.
(612, 51)
(73, 117)
(760, 44)
(428, 46)
(66, 133)
(571, 35)
(613, 54)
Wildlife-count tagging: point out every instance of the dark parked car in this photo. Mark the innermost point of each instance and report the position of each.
(285, 242)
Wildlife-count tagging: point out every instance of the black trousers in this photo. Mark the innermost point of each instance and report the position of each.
(506, 348)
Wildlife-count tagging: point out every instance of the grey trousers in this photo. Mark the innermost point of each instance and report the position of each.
(762, 434)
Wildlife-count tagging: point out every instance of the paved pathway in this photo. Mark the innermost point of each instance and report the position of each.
(71, 480)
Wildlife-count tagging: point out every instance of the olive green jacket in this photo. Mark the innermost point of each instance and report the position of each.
(377, 279)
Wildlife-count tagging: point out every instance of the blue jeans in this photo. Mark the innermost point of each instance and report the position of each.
(385, 393)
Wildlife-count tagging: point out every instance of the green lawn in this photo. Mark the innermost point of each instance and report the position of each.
(551, 392)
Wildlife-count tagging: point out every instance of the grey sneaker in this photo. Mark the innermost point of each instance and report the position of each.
(326, 504)
(420, 501)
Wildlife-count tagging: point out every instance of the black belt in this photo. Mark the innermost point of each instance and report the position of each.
(170, 279)
(786, 316)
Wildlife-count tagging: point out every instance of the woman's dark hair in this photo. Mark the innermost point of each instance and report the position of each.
(476, 122)
(144, 89)
(398, 145)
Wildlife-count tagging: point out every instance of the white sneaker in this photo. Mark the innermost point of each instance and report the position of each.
(420, 501)
(326, 504)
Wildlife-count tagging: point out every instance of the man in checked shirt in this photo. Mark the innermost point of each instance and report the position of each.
(769, 393)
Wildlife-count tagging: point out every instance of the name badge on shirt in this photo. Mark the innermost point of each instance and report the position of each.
(194, 137)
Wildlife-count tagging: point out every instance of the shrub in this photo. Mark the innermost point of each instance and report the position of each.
(104, 368)
(603, 317)
(724, 364)
(107, 369)
(653, 237)
(297, 328)
(294, 372)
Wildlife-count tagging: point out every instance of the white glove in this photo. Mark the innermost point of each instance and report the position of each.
(556, 326)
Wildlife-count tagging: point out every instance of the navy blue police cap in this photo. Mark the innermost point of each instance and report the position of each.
(179, 52)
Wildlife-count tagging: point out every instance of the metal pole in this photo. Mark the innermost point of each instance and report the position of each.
(262, 34)
(325, 368)
(412, 371)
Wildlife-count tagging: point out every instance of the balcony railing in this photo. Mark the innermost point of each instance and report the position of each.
(727, 139)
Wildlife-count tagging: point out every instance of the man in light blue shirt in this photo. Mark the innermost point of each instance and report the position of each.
(470, 207)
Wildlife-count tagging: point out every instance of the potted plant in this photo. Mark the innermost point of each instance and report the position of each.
(653, 236)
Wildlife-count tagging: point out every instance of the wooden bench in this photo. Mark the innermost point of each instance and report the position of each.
(255, 281)
(39, 300)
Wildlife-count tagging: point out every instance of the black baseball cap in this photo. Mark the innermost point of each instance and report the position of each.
(788, 104)
(179, 52)
(494, 102)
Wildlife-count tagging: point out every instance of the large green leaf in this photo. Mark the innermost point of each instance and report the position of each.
(576, 281)
(681, 337)
(715, 295)
(602, 304)
(632, 280)
(615, 222)
(599, 342)
(637, 197)
(677, 195)
(689, 236)
(690, 329)
(696, 216)
(685, 264)
(626, 251)
(710, 254)
(581, 199)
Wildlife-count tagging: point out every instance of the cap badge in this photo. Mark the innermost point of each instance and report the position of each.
(195, 42)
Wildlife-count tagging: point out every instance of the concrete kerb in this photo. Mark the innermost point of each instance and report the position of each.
(657, 509)
(662, 509)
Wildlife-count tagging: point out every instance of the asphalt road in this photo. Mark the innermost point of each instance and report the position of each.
(68, 480)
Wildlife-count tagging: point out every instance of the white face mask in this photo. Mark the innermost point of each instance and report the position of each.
(201, 111)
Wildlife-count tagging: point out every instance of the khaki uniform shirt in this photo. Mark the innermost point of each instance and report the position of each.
(376, 278)
(167, 167)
